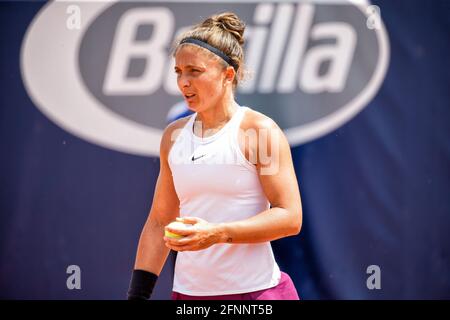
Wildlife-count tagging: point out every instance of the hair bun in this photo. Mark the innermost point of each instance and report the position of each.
(227, 21)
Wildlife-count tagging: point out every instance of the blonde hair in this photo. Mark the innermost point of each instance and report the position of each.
(224, 31)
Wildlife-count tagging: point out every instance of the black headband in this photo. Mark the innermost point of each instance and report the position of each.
(214, 50)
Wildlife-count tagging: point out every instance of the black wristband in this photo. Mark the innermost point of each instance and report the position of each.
(141, 285)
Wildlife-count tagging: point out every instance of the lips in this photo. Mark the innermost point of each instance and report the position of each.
(189, 96)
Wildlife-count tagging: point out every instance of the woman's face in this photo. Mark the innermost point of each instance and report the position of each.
(200, 78)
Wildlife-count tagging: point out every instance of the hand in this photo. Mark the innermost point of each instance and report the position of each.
(201, 236)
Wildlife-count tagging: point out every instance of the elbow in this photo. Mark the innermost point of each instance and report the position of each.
(297, 222)
(298, 228)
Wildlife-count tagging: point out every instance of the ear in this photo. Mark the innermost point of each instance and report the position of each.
(230, 73)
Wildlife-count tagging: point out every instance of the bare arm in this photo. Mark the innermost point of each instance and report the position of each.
(278, 180)
(152, 252)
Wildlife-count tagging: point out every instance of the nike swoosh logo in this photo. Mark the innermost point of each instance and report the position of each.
(193, 158)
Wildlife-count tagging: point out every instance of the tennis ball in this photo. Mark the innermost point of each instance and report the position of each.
(171, 235)
(176, 225)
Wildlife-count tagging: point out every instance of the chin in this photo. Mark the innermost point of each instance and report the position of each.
(195, 107)
(192, 107)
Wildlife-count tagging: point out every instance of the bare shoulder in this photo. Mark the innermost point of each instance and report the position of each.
(177, 124)
(256, 120)
(170, 133)
(259, 134)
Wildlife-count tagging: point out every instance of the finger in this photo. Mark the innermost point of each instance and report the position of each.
(180, 219)
(183, 248)
(181, 232)
(173, 247)
(191, 220)
(189, 240)
(179, 242)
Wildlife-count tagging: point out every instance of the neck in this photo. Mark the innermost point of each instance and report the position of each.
(217, 115)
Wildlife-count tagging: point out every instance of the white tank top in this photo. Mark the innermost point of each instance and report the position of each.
(215, 181)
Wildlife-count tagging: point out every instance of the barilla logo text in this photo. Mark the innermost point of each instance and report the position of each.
(102, 70)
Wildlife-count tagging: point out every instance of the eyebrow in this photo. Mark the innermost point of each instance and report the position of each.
(190, 66)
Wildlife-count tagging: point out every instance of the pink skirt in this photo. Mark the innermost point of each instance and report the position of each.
(285, 290)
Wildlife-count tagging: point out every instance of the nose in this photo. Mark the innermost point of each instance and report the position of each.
(183, 81)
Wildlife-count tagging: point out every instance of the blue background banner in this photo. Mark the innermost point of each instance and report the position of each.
(375, 191)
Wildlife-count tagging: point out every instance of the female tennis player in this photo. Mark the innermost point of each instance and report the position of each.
(226, 173)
